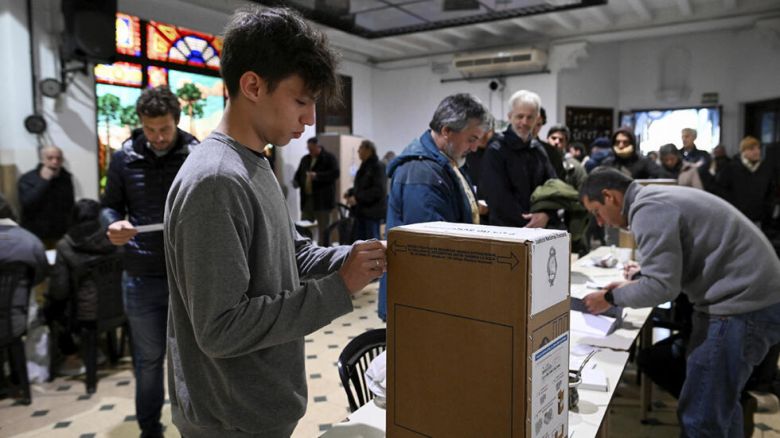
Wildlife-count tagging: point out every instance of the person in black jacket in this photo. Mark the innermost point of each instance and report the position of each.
(19, 245)
(85, 241)
(368, 196)
(627, 158)
(748, 183)
(46, 195)
(515, 164)
(139, 177)
(316, 177)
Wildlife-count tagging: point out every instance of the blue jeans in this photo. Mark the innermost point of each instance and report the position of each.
(364, 229)
(146, 306)
(381, 301)
(721, 355)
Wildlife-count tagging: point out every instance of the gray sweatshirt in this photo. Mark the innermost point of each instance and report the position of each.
(691, 241)
(238, 310)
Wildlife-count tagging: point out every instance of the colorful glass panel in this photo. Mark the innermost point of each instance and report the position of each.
(119, 73)
(182, 46)
(202, 101)
(116, 118)
(157, 76)
(128, 35)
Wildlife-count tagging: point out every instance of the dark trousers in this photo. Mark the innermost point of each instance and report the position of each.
(364, 229)
(146, 306)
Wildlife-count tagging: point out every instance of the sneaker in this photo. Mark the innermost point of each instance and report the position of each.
(71, 366)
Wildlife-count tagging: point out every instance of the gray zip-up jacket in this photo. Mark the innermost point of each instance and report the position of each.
(691, 241)
(238, 310)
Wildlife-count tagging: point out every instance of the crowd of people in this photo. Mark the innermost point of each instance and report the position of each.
(227, 288)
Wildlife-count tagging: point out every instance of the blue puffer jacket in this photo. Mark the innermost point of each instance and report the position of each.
(425, 187)
(138, 183)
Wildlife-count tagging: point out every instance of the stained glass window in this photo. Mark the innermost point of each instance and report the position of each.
(128, 35)
(157, 76)
(185, 60)
(182, 46)
(119, 73)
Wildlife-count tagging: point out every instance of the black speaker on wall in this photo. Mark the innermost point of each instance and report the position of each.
(90, 30)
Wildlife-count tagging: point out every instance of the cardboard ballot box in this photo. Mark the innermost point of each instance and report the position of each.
(478, 331)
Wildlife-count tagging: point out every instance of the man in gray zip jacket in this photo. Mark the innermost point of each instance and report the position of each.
(695, 242)
(245, 288)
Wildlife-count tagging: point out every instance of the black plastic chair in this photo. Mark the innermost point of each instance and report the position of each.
(106, 274)
(11, 276)
(353, 363)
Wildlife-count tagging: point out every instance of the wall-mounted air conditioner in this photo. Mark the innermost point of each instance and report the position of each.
(504, 61)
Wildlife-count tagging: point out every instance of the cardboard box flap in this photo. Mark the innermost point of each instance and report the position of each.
(485, 231)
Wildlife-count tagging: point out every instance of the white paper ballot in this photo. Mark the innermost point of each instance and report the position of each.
(594, 379)
(149, 228)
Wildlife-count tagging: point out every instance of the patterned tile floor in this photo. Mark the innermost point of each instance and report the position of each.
(62, 409)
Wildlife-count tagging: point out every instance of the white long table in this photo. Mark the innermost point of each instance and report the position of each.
(588, 419)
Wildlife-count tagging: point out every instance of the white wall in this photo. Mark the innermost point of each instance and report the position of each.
(593, 83)
(17, 146)
(405, 99)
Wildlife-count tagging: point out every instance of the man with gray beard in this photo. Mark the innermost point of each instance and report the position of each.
(427, 183)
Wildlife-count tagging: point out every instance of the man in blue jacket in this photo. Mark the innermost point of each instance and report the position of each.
(697, 243)
(139, 177)
(427, 184)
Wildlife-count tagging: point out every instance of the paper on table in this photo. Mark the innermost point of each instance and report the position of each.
(621, 340)
(597, 325)
(148, 228)
(594, 379)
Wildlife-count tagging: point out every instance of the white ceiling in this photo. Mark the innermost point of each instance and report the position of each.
(618, 20)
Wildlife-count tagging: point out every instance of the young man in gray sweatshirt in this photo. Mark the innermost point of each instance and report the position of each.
(691, 241)
(245, 287)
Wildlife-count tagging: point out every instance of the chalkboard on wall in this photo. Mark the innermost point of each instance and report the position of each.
(586, 124)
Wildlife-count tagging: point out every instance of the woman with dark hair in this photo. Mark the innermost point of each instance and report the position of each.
(368, 196)
(627, 159)
(84, 242)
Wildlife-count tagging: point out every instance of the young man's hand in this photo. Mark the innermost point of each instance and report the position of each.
(120, 232)
(365, 263)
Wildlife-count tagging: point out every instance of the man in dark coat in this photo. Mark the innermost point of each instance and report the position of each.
(368, 196)
(139, 177)
(46, 195)
(85, 242)
(515, 164)
(316, 177)
(748, 183)
(20, 245)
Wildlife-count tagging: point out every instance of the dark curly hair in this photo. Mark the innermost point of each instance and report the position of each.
(157, 102)
(275, 44)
